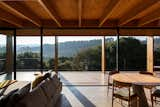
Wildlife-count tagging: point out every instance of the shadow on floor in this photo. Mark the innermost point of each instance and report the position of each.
(84, 101)
(63, 102)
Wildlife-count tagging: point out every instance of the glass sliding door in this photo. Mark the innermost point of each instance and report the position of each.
(156, 53)
(132, 53)
(28, 53)
(110, 48)
(79, 53)
(3, 49)
(48, 52)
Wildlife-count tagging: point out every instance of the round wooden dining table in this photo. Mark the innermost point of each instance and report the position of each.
(138, 81)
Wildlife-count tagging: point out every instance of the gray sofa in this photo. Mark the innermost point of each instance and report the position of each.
(45, 94)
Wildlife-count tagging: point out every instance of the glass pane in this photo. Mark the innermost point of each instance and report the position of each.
(79, 53)
(110, 45)
(3, 41)
(48, 52)
(157, 53)
(132, 53)
(28, 53)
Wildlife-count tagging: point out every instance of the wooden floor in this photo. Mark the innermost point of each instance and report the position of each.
(82, 89)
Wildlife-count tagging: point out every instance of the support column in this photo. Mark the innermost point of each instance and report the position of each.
(9, 55)
(150, 41)
(56, 55)
(41, 51)
(117, 50)
(103, 65)
(15, 53)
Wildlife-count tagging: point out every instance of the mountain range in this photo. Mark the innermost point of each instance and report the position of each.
(67, 49)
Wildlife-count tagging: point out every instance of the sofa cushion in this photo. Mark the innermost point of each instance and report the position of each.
(15, 97)
(55, 81)
(36, 98)
(53, 75)
(16, 85)
(47, 75)
(48, 88)
(4, 100)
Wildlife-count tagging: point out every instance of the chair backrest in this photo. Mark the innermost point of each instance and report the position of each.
(111, 73)
(121, 84)
(146, 73)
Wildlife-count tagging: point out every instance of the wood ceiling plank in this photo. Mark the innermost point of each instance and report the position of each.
(112, 4)
(150, 17)
(22, 11)
(50, 11)
(79, 13)
(134, 11)
(5, 16)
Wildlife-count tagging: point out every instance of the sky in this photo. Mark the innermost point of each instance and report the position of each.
(50, 40)
(2, 39)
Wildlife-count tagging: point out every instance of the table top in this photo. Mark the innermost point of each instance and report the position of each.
(136, 78)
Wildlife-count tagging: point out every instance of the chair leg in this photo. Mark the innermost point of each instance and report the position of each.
(137, 101)
(129, 103)
(108, 90)
(121, 101)
(152, 100)
(112, 101)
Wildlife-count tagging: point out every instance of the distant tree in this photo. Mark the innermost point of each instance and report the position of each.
(132, 54)
(110, 55)
(157, 57)
(28, 60)
(51, 63)
(88, 59)
(65, 66)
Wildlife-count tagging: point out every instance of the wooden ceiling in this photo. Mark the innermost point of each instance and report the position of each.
(79, 13)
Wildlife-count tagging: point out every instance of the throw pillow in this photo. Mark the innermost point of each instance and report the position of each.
(38, 80)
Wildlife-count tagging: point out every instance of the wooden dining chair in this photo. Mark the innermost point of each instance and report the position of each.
(110, 82)
(124, 93)
(154, 96)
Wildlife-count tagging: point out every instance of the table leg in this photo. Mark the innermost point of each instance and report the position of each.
(139, 90)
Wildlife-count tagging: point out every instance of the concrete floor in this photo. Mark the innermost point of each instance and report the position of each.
(82, 89)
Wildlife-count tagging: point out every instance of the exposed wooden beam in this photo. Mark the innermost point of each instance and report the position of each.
(134, 11)
(109, 9)
(79, 13)
(23, 11)
(6, 16)
(50, 11)
(150, 17)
